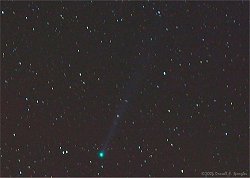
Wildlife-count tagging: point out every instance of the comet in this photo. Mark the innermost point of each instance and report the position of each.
(129, 95)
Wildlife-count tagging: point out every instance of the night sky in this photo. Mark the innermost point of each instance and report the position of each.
(124, 88)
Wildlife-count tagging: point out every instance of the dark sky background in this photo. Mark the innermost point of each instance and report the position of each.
(173, 77)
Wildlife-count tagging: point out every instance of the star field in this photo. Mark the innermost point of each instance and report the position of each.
(124, 88)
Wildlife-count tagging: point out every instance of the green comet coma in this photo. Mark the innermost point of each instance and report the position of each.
(101, 154)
